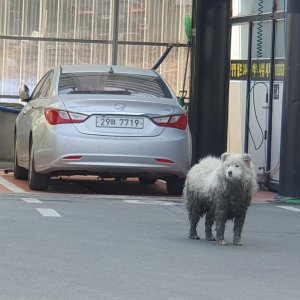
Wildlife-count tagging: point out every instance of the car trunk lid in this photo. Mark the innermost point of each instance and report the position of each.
(119, 116)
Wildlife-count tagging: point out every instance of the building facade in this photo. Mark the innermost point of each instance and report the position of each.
(38, 34)
(258, 52)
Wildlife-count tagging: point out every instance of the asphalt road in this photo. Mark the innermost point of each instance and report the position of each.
(132, 247)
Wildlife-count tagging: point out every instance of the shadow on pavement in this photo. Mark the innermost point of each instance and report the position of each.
(109, 186)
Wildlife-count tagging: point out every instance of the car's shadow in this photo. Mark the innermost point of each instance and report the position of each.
(90, 185)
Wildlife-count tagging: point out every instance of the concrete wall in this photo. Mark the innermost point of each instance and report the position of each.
(235, 119)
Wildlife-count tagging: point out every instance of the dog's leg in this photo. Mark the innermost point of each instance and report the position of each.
(209, 221)
(194, 214)
(194, 217)
(220, 229)
(237, 230)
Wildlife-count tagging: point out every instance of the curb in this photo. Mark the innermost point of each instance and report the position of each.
(295, 201)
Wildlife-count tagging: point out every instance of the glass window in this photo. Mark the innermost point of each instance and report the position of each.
(116, 84)
(281, 39)
(140, 21)
(246, 7)
(282, 5)
(239, 41)
(41, 88)
(152, 21)
(45, 89)
(261, 40)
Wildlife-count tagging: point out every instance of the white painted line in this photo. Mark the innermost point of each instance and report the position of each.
(31, 200)
(290, 208)
(151, 202)
(48, 212)
(11, 186)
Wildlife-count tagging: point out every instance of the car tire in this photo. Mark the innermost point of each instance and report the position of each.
(19, 172)
(175, 186)
(36, 181)
(145, 180)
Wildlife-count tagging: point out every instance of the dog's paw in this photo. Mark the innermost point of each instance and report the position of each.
(222, 243)
(238, 243)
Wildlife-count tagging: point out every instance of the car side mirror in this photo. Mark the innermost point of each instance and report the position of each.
(24, 92)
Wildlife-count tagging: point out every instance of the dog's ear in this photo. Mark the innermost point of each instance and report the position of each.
(224, 156)
(246, 158)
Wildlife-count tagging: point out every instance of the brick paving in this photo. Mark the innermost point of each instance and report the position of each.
(260, 196)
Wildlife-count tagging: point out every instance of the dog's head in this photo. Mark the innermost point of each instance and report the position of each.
(236, 166)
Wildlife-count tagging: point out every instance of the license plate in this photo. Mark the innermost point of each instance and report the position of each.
(120, 122)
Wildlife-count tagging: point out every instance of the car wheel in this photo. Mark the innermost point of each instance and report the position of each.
(175, 186)
(145, 180)
(19, 172)
(36, 181)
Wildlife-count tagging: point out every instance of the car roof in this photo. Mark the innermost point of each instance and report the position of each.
(106, 68)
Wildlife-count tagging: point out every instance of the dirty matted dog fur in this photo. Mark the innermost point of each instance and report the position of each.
(220, 189)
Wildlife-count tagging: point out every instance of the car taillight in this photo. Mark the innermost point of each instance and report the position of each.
(176, 121)
(73, 157)
(56, 116)
(164, 161)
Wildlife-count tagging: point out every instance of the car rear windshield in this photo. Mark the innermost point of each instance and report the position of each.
(115, 84)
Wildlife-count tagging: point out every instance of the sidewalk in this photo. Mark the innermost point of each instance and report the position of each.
(268, 196)
(261, 196)
(264, 196)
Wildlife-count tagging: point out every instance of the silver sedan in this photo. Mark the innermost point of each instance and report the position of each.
(109, 121)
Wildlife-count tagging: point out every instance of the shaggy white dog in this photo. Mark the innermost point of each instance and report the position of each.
(220, 189)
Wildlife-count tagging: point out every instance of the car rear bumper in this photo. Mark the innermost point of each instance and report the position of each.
(107, 156)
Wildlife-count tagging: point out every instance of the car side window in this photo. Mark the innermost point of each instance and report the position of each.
(45, 89)
(43, 86)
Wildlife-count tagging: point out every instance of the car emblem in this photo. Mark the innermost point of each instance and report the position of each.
(120, 106)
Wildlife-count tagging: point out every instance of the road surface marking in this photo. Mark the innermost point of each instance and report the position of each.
(11, 186)
(151, 202)
(31, 200)
(290, 208)
(48, 212)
